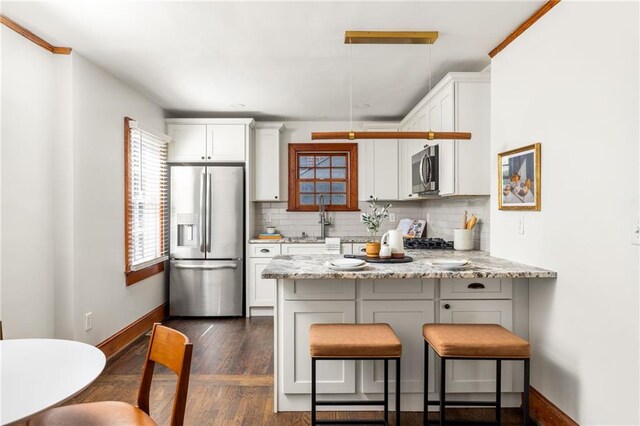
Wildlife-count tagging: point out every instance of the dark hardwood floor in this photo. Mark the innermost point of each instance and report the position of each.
(231, 379)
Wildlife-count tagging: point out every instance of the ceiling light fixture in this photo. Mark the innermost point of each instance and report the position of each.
(386, 37)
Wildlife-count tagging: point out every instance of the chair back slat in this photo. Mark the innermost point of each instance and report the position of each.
(172, 349)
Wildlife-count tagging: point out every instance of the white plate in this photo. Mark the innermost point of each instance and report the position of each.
(345, 268)
(347, 263)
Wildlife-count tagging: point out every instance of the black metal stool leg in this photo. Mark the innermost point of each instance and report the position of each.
(525, 399)
(386, 392)
(498, 390)
(398, 382)
(425, 414)
(313, 392)
(443, 370)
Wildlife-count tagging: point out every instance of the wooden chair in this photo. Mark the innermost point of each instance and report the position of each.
(167, 347)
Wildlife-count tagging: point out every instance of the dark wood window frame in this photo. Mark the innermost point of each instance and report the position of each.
(297, 150)
(132, 277)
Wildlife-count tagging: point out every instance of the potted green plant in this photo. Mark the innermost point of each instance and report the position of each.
(372, 221)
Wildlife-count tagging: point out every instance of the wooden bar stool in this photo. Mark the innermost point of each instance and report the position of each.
(355, 342)
(473, 342)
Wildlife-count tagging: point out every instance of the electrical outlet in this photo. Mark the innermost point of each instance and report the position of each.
(635, 236)
(521, 225)
(266, 217)
(88, 321)
(392, 217)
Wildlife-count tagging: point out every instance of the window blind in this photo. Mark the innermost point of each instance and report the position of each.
(146, 197)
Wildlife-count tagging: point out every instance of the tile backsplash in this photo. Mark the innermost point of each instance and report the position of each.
(345, 224)
(444, 216)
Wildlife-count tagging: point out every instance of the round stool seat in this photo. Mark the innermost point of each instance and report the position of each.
(353, 341)
(475, 341)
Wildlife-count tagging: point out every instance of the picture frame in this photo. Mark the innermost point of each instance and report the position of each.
(519, 180)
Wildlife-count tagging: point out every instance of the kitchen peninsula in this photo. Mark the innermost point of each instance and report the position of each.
(406, 296)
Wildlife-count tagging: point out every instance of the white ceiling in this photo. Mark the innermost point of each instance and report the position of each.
(282, 60)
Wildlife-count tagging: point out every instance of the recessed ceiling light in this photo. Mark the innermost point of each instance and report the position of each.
(237, 105)
(361, 106)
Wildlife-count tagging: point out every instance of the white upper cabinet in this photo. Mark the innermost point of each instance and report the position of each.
(188, 142)
(208, 140)
(378, 168)
(225, 142)
(458, 103)
(267, 162)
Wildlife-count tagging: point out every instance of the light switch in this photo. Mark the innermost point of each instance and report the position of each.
(521, 225)
(266, 217)
(392, 217)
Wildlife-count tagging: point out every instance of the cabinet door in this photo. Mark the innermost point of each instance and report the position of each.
(261, 290)
(365, 170)
(267, 165)
(477, 376)
(188, 142)
(441, 118)
(385, 169)
(406, 317)
(225, 142)
(332, 376)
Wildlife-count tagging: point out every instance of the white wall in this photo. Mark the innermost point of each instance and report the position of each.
(29, 120)
(100, 103)
(62, 204)
(571, 83)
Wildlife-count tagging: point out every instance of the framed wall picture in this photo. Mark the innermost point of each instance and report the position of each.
(519, 178)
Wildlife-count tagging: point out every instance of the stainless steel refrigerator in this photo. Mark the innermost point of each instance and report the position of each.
(206, 240)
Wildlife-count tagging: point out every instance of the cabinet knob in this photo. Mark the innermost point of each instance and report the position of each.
(410, 195)
(370, 196)
(202, 157)
(447, 306)
(276, 197)
(209, 158)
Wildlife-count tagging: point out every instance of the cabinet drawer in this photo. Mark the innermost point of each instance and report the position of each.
(403, 289)
(476, 288)
(303, 248)
(319, 290)
(264, 250)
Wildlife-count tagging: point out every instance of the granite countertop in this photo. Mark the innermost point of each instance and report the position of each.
(484, 266)
(308, 240)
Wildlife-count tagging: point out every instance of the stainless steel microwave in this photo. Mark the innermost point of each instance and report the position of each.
(424, 171)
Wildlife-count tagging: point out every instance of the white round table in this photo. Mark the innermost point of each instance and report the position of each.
(36, 374)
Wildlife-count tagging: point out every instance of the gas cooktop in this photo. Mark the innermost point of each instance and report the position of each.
(427, 244)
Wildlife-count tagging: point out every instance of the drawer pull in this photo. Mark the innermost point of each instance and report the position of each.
(264, 250)
(476, 285)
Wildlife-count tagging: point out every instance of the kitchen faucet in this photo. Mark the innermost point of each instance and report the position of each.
(324, 219)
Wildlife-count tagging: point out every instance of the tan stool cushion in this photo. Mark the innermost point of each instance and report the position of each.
(103, 413)
(354, 341)
(475, 341)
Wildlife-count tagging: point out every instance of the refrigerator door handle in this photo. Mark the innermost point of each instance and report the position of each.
(202, 213)
(209, 212)
(206, 267)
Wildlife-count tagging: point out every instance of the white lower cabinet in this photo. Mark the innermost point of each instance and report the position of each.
(406, 318)
(477, 376)
(337, 377)
(261, 290)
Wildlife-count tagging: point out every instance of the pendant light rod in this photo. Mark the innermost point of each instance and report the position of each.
(390, 135)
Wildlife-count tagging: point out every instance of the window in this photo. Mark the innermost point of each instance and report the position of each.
(328, 171)
(145, 201)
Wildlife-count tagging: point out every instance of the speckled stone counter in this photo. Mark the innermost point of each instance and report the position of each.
(308, 240)
(483, 266)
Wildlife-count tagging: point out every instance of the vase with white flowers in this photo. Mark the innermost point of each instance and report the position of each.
(372, 221)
